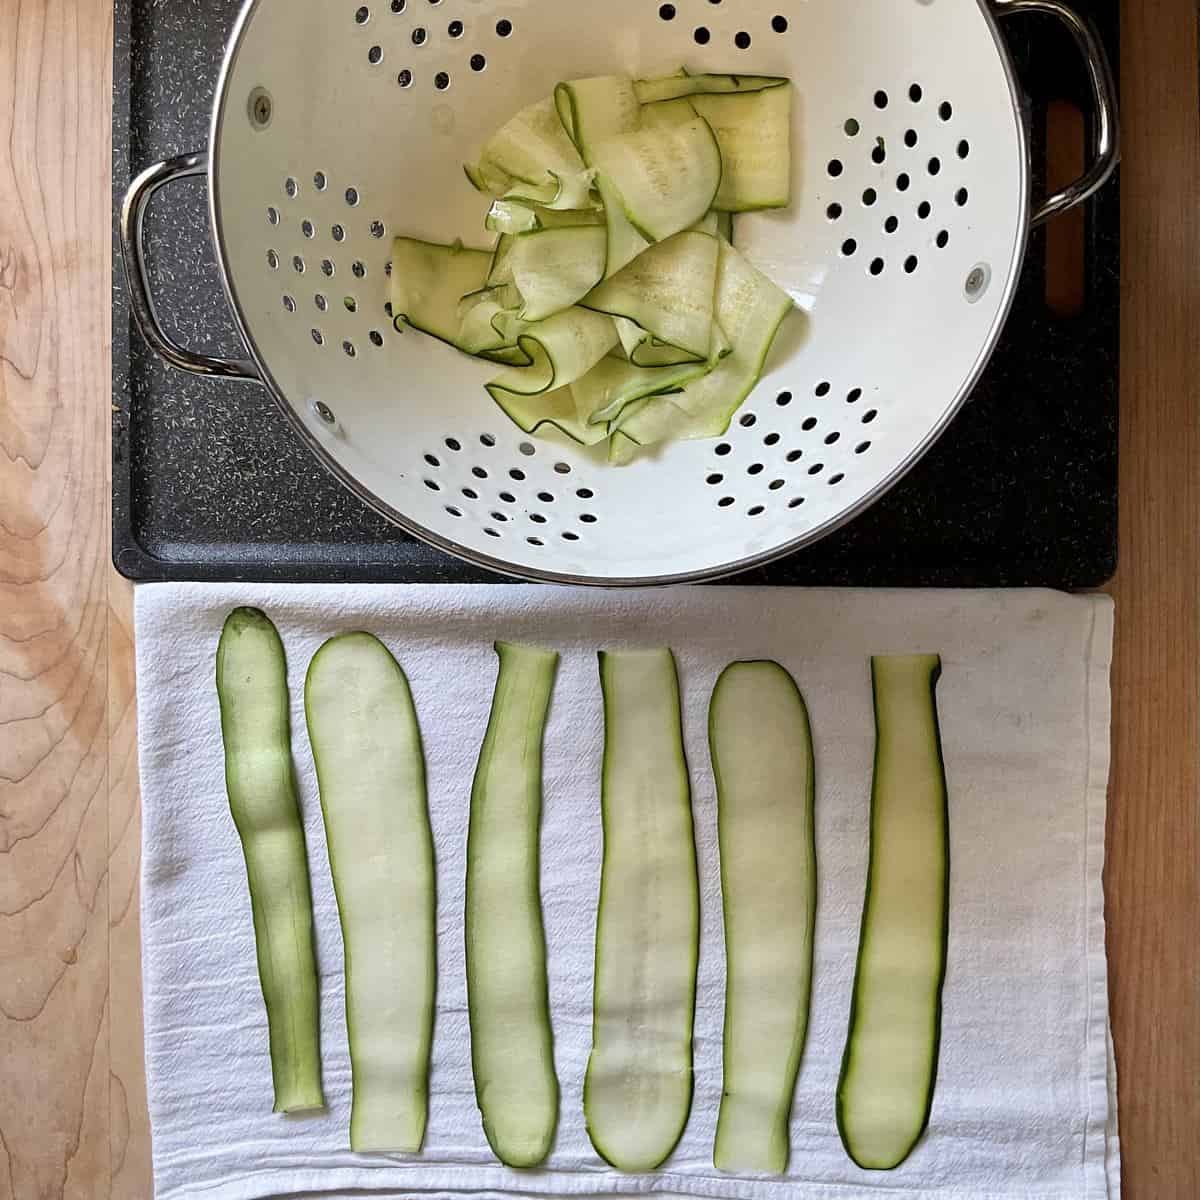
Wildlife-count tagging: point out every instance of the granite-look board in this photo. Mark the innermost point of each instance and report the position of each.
(210, 483)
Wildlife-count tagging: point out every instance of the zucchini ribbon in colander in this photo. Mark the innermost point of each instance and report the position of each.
(614, 299)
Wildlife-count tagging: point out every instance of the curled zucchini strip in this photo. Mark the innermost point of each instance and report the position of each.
(615, 198)
(668, 292)
(749, 309)
(554, 268)
(592, 111)
(511, 217)
(754, 133)
(613, 384)
(681, 84)
(560, 350)
(531, 158)
(429, 281)
(667, 175)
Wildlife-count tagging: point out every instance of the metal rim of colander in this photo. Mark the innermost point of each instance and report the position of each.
(534, 574)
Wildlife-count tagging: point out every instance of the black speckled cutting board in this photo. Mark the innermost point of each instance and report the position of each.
(210, 483)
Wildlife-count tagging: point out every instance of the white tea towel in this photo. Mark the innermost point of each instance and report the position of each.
(1024, 1105)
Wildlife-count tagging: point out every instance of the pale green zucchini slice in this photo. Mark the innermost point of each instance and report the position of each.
(511, 217)
(551, 218)
(673, 87)
(638, 1090)
(256, 731)
(625, 242)
(560, 350)
(656, 421)
(890, 1065)
(439, 290)
(631, 410)
(553, 268)
(507, 217)
(668, 291)
(643, 349)
(754, 131)
(612, 197)
(614, 383)
(366, 744)
(591, 111)
(567, 193)
(462, 297)
(762, 757)
(531, 157)
(512, 1051)
(561, 409)
(478, 334)
(667, 176)
(668, 113)
(486, 179)
(500, 271)
(749, 309)
(429, 281)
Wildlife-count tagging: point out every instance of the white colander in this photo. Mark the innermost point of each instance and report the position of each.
(341, 123)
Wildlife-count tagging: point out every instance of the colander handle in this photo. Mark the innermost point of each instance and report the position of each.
(1106, 136)
(133, 217)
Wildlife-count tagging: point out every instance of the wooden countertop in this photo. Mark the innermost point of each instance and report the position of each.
(72, 1102)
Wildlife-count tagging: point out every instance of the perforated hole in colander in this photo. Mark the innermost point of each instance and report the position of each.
(945, 190)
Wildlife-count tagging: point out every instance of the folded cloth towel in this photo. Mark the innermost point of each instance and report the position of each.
(1025, 1101)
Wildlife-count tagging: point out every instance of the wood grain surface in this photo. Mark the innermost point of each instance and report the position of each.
(1153, 871)
(72, 1096)
(55, 881)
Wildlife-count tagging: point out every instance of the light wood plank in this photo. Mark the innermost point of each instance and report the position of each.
(1153, 876)
(129, 1125)
(55, 84)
